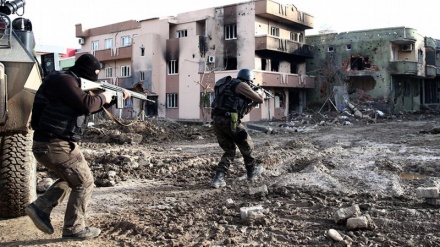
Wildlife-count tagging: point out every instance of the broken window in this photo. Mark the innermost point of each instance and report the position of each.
(420, 60)
(263, 64)
(274, 65)
(359, 62)
(230, 63)
(407, 89)
(348, 47)
(279, 100)
(293, 68)
(330, 49)
(206, 99)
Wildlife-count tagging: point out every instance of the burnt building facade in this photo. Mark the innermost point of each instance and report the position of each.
(178, 59)
(392, 69)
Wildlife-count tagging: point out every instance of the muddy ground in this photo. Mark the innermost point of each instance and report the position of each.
(153, 185)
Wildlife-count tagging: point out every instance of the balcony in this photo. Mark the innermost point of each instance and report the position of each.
(284, 13)
(403, 68)
(282, 80)
(431, 71)
(430, 43)
(114, 54)
(282, 45)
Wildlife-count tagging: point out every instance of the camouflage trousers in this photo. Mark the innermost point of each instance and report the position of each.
(65, 159)
(229, 140)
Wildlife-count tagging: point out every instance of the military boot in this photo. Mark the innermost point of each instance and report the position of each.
(218, 180)
(253, 171)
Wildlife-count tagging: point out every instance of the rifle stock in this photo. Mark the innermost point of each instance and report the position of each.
(116, 91)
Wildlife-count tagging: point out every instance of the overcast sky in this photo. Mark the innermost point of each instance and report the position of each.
(54, 21)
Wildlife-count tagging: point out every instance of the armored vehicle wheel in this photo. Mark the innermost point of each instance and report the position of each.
(18, 173)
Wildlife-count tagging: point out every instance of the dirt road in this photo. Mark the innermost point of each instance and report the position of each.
(153, 187)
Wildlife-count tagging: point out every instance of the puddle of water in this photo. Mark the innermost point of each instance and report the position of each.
(411, 176)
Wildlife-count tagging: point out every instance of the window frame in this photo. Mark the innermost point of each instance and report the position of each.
(172, 100)
(173, 67)
(108, 72)
(182, 33)
(95, 45)
(275, 31)
(125, 40)
(108, 43)
(206, 102)
(125, 71)
(230, 31)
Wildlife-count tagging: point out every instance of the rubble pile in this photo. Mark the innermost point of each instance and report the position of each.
(144, 132)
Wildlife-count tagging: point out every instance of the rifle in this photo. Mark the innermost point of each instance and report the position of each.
(117, 92)
(269, 95)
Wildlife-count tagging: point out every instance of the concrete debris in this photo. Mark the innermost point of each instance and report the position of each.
(345, 213)
(246, 211)
(335, 235)
(433, 201)
(361, 222)
(427, 192)
(258, 190)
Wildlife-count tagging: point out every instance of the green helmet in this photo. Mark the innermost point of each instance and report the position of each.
(246, 74)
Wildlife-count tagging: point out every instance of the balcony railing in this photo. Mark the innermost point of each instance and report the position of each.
(431, 71)
(284, 14)
(119, 53)
(403, 68)
(275, 79)
(282, 45)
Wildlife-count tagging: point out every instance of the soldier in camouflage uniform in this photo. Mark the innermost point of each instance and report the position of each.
(234, 98)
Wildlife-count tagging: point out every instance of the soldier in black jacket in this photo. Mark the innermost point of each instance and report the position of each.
(59, 115)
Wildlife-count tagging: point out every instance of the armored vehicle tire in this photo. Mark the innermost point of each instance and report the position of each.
(18, 174)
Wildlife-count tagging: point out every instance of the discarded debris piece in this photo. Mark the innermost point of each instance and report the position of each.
(258, 190)
(335, 235)
(427, 192)
(244, 212)
(433, 201)
(380, 113)
(345, 213)
(356, 111)
(255, 215)
(361, 222)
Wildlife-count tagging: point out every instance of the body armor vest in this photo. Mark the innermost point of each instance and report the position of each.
(227, 100)
(51, 115)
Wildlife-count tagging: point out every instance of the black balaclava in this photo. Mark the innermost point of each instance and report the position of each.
(87, 67)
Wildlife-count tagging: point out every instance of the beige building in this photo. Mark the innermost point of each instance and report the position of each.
(178, 59)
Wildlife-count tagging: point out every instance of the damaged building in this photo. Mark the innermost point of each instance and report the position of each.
(392, 69)
(178, 59)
